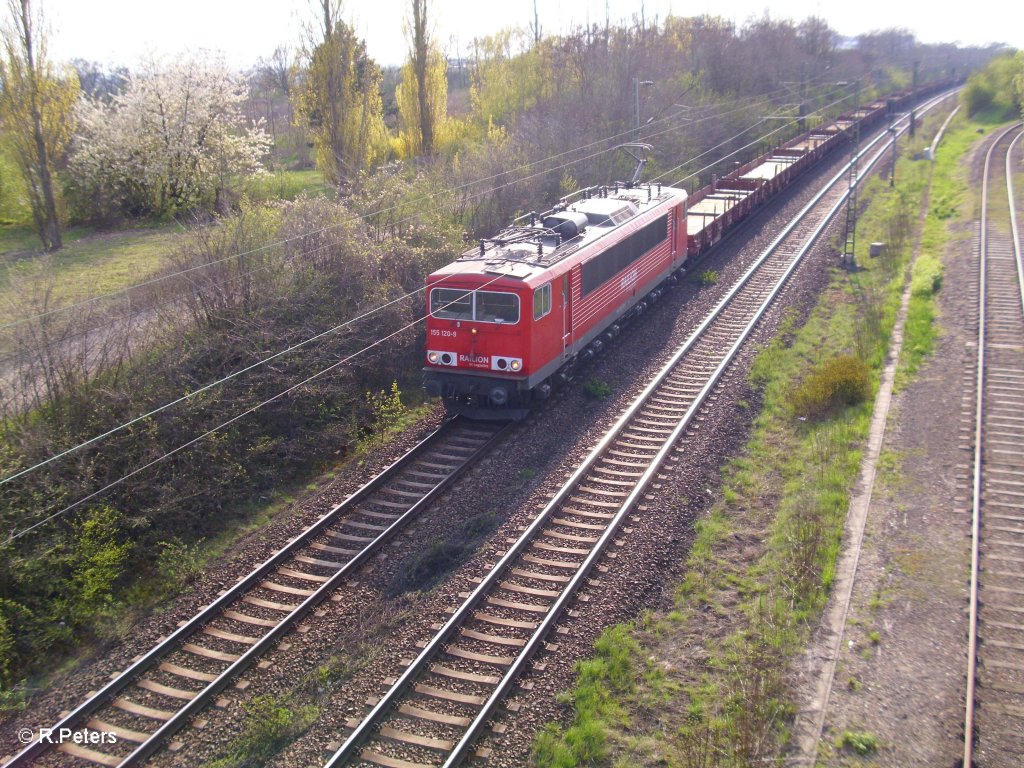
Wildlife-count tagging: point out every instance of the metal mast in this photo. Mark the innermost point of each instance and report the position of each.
(848, 258)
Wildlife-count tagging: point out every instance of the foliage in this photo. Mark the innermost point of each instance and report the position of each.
(14, 202)
(998, 87)
(173, 140)
(254, 283)
(36, 114)
(99, 560)
(598, 389)
(708, 277)
(835, 382)
(270, 723)
(422, 93)
(387, 408)
(338, 100)
(422, 98)
(859, 741)
(509, 76)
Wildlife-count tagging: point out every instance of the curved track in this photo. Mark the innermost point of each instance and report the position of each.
(994, 717)
(168, 686)
(438, 709)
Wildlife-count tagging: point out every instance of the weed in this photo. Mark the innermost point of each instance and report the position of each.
(423, 569)
(875, 637)
(270, 724)
(708, 277)
(852, 684)
(597, 389)
(837, 381)
(858, 741)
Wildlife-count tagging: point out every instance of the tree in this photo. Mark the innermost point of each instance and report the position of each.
(338, 100)
(422, 95)
(36, 111)
(174, 139)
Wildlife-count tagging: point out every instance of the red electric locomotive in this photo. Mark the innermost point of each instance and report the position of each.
(521, 307)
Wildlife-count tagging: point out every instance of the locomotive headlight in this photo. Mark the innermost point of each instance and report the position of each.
(506, 364)
(437, 357)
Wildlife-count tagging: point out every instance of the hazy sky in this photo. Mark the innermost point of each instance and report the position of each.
(122, 31)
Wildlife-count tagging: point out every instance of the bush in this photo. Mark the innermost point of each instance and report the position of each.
(597, 389)
(836, 382)
(859, 742)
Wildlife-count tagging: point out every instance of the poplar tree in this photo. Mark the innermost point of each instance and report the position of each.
(422, 96)
(338, 100)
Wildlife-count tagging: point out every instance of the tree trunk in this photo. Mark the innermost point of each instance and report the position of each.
(49, 225)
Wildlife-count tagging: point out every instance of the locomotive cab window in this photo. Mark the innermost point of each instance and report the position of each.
(493, 307)
(451, 303)
(541, 301)
(467, 304)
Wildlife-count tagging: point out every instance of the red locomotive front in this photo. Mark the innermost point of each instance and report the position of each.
(506, 317)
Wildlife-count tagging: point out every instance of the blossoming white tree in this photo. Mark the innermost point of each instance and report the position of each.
(173, 140)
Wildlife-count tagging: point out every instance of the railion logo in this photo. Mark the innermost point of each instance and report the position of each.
(475, 359)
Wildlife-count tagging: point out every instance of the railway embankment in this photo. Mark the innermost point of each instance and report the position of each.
(712, 673)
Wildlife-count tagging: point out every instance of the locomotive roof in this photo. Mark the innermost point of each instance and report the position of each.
(522, 252)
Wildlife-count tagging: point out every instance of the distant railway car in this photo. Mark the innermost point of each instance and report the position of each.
(512, 312)
(509, 318)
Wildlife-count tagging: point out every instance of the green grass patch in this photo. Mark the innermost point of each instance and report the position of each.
(602, 682)
(858, 742)
(89, 264)
(270, 724)
(949, 210)
(286, 185)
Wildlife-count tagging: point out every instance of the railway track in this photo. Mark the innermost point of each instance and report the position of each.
(162, 690)
(438, 709)
(994, 716)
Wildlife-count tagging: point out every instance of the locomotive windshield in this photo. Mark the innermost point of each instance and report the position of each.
(482, 306)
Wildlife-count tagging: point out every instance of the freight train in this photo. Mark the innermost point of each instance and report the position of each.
(511, 317)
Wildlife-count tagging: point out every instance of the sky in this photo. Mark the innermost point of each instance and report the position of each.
(125, 31)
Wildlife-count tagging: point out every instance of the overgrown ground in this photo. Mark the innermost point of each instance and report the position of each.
(95, 262)
(705, 681)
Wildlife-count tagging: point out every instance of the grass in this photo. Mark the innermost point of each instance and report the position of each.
(271, 722)
(947, 207)
(749, 608)
(859, 742)
(89, 264)
(94, 263)
(287, 185)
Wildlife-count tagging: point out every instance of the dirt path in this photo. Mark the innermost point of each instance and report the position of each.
(897, 696)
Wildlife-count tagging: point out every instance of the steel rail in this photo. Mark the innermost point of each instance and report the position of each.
(364, 729)
(167, 646)
(979, 413)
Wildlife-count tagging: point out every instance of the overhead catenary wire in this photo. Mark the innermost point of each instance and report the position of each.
(246, 369)
(356, 217)
(252, 409)
(323, 334)
(84, 332)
